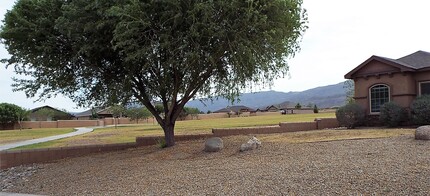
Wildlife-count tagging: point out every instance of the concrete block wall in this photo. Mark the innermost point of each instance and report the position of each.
(324, 123)
(267, 113)
(298, 126)
(11, 158)
(206, 116)
(246, 131)
(152, 140)
(77, 123)
(282, 128)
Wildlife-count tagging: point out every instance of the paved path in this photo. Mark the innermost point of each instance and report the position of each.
(79, 131)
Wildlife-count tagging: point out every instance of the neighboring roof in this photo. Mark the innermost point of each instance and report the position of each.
(104, 111)
(412, 62)
(48, 107)
(235, 108)
(266, 108)
(89, 112)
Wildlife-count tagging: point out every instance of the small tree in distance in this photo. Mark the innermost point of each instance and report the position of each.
(348, 85)
(137, 113)
(22, 115)
(315, 109)
(194, 112)
(117, 111)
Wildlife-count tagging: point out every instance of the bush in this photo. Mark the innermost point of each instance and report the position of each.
(420, 110)
(161, 142)
(350, 115)
(315, 109)
(392, 114)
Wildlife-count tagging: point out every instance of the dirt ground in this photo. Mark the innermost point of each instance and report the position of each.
(387, 166)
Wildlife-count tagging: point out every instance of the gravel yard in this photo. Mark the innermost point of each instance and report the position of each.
(389, 166)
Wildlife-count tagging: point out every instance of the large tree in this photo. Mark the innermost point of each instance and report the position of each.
(154, 51)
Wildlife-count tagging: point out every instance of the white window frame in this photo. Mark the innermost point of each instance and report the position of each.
(419, 86)
(370, 96)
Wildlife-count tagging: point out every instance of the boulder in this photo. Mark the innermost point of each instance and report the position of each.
(422, 133)
(214, 144)
(252, 144)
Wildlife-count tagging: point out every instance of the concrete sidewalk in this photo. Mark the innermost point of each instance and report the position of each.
(79, 131)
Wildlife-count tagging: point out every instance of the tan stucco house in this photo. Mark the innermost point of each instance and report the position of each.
(379, 80)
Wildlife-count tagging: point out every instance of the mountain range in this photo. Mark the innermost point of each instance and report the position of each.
(323, 96)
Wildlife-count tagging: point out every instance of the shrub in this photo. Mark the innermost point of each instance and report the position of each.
(161, 142)
(420, 110)
(392, 114)
(315, 109)
(350, 115)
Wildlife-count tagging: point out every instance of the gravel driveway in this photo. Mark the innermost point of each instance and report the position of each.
(389, 166)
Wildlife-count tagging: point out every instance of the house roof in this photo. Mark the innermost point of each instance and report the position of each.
(266, 108)
(48, 107)
(235, 108)
(418, 60)
(412, 62)
(98, 110)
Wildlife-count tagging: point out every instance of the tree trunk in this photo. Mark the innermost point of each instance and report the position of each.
(169, 134)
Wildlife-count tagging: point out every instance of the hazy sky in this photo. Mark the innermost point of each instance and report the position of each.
(341, 35)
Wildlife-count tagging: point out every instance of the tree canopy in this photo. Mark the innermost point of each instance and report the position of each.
(137, 113)
(166, 52)
(10, 114)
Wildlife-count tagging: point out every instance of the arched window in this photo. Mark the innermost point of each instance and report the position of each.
(379, 94)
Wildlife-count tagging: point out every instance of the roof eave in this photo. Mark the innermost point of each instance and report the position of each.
(402, 68)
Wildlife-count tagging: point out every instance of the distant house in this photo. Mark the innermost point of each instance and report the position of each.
(48, 113)
(94, 113)
(235, 109)
(379, 80)
(270, 108)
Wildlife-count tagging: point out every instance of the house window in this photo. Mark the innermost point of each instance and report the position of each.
(425, 88)
(379, 94)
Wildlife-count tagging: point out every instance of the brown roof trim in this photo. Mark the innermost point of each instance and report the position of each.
(424, 69)
(394, 63)
(405, 94)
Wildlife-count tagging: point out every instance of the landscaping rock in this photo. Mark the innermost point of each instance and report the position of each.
(422, 133)
(252, 144)
(214, 144)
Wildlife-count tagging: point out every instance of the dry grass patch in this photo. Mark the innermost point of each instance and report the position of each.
(335, 134)
(10, 136)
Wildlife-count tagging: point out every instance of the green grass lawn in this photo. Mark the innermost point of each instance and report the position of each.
(10, 136)
(124, 134)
